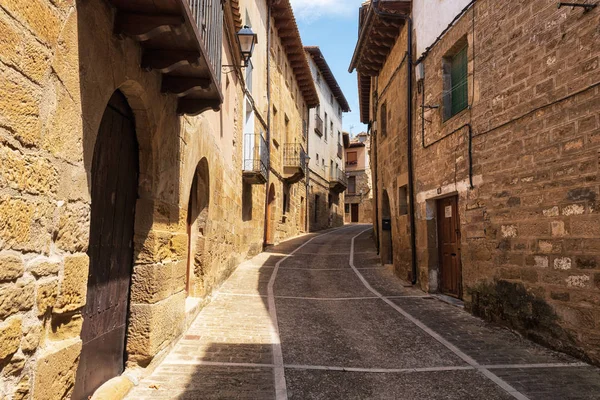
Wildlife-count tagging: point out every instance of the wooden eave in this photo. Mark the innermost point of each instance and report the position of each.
(287, 29)
(237, 15)
(346, 139)
(171, 44)
(364, 96)
(319, 59)
(377, 36)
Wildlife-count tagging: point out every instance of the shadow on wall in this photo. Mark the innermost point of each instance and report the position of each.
(123, 115)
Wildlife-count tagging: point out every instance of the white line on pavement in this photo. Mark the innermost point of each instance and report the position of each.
(278, 370)
(494, 378)
(174, 361)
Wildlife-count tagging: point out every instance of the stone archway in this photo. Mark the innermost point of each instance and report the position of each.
(197, 219)
(114, 193)
(387, 252)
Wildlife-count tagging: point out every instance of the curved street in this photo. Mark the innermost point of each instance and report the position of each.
(318, 317)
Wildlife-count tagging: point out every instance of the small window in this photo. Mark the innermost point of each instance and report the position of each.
(351, 158)
(403, 200)
(347, 208)
(456, 91)
(331, 98)
(383, 119)
(352, 184)
(317, 158)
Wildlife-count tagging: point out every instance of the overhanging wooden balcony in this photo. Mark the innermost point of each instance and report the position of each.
(318, 125)
(182, 39)
(294, 162)
(338, 182)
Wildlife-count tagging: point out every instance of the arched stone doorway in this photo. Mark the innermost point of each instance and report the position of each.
(386, 230)
(196, 229)
(114, 192)
(269, 235)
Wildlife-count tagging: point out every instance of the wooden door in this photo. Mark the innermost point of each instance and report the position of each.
(354, 212)
(270, 216)
(114, 182)
(449, 246)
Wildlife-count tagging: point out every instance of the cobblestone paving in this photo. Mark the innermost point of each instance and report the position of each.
(351, 333)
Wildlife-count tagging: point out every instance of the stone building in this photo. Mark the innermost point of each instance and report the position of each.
(327, 179)
(125, 196)
(359, 195)
(485, 157)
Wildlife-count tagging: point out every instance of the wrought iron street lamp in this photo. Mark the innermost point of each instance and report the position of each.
(247, 40)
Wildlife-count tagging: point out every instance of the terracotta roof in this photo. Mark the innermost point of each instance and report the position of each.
(377, 35)
(285, 22)
(319, 59)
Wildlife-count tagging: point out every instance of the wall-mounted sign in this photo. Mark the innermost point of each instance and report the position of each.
(448, 211)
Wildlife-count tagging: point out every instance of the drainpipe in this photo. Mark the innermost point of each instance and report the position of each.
(268, 121)
(409, 111)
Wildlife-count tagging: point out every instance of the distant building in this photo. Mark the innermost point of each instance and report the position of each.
(327, 179)
(358, 206)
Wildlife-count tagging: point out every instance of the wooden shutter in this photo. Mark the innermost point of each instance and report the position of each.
(458, 77)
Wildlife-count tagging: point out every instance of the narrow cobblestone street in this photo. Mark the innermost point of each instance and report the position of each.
(318, 318)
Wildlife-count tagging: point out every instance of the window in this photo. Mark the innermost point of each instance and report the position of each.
(403, 200)
(339, 137)
(456, 93)
(286, 199)
(347, 208)
(331, 127)
(383, 120)
(331, 98)
(325, 127)
(318, 78)
(352, 184)
(351, 158)
(317, 158)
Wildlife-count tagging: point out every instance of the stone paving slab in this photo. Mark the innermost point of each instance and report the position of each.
(325, 284)
(191, 382)
(248, 281)
(231, 329)
(487, 344)
(387, 283)
(355, 333)
(554, 383)
(447, 385)
(304, 261)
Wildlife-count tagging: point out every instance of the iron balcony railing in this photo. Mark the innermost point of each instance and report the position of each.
(256, 154)
(294, 156)
(337, 175)
(318, 125)
(209, 20)
(304, 128)
(340, 151)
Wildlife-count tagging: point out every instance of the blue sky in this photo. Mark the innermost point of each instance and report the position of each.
(333, 26)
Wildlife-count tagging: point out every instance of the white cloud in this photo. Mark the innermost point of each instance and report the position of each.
(311, 10)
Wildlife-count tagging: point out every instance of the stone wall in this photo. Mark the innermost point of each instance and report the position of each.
(288, 111)
(59, 65)
(328, 212)
(529, 236)
(364, 201)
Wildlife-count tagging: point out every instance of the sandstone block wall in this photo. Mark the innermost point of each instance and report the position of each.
(327, 211)
(528, 225)
(59, 64)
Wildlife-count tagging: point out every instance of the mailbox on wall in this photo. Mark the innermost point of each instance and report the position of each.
(386, 224)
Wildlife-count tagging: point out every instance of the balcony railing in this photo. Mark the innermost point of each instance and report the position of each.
(338, 182)
(294, 162)
(182, 40)
(340, 153)
(318, 125)
(209, 20)
(256, 155)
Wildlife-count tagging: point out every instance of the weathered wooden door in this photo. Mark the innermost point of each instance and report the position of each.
(449, 246)
(114, 183)
(354, 212)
